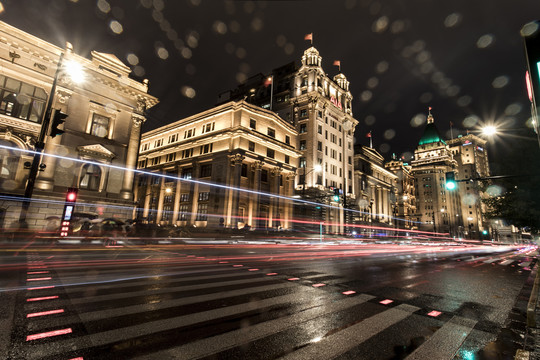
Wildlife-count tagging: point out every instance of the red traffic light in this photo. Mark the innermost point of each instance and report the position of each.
(71, 195)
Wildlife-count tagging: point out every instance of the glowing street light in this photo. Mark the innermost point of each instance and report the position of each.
(489, 130)
(75, 71)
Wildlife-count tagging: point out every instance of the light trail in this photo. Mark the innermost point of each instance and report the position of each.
(298, 256)
(170, 177)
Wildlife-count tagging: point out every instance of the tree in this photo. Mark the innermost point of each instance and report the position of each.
(516, 198)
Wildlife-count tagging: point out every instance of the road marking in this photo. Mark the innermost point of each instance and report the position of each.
(342, 341)
(491, 260)
(152, 327)
(139, 308)
(218, 343)
(318, 285)
(41, 287)
(48, 334)
(446, 341)
(39, 279)
(118, 296)
(44, 313)
(42, 298)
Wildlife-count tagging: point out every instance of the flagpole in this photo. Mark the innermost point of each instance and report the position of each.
(451, 131)
(271, 91)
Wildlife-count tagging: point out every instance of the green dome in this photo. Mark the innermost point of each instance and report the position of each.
(431, 135)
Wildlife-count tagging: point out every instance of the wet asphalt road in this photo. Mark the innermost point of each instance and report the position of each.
(377, 301)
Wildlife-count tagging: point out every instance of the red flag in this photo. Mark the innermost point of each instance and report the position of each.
(451, 123)
(309, 37)
(337, 63)
(368, 134)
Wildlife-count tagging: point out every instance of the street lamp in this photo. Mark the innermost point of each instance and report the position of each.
(489, 130)
(40, 142)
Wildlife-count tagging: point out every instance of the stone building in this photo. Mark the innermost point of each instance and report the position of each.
(105, 112)
(437, 209)
(375, 187)
(216, 168)
(320, 109)
(472, 164)
(405, 190)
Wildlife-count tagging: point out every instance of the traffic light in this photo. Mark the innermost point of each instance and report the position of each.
(58, 119)
(531, 38)
(69, 206)
(71, 195)
(450, 180)
(336, 195)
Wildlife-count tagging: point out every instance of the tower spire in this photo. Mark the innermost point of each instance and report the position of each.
(430, 119)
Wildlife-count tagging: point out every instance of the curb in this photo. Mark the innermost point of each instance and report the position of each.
(533, 300)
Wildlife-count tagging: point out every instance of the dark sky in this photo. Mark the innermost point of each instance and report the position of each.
(464, 58)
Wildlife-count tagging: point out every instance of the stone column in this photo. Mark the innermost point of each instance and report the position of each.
(194, 193)
(159, 211)
(177, 196)
(147, 196)
(274, 201)
(131, 156)
(257, 168)
(236, 163)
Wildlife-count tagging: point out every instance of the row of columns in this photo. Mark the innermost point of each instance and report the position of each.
(251, 200)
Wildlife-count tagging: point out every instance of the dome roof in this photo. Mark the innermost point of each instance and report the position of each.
(431, 133)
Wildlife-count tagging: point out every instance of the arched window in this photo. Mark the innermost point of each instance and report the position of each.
(90, 177)
(9, 160)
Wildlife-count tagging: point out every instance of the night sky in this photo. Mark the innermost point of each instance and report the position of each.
(463, 58)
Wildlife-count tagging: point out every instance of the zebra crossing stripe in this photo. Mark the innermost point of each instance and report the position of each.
(111, 336)
(342, 341)
(445, 343)
(209, 346)
(506, 262)
(136, 309)
(167, 290)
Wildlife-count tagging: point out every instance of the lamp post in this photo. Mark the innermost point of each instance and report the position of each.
(40, 142)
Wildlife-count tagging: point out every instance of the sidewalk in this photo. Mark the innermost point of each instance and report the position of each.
(531, 348)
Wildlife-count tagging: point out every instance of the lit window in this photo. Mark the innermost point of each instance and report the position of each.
(202, 212)
(90, 177)
(100, 126)
(9, 160)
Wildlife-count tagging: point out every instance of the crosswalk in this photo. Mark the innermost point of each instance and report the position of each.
(203, 307)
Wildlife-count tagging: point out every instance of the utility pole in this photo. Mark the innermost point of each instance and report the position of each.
(40, 144)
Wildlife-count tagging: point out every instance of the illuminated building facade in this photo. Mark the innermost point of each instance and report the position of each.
(472, 163)
(208, 159)
(375, 187)
(437, 209)
(406, 198)
(105, 113)
(320, 109)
